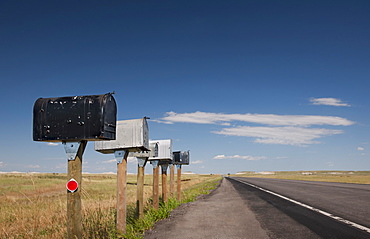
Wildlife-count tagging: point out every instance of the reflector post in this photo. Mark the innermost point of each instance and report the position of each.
(72, 185)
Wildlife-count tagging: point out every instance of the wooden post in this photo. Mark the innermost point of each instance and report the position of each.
(121, 190)
(178, 182)
(172, 180)
(155, 184)
(74, 214)
(140, 187)
(164, 182)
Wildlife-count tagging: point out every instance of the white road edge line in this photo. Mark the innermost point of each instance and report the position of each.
(353, 224)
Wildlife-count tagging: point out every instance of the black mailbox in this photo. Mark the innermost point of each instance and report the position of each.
(75, 118)
(164, 162)
(181, 157)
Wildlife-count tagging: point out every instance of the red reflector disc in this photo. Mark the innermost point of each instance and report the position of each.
(72, 185)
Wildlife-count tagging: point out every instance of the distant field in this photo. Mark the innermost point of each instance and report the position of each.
(360, 177)
(34, 205)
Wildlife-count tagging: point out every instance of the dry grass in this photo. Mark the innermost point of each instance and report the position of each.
(34, 205)
(359, 177)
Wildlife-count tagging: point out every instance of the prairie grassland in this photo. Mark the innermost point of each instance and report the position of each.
(34, 205)
(359, 177)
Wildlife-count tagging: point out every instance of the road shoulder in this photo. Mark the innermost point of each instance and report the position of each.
(221, 214)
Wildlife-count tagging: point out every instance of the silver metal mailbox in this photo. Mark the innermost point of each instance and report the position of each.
(131, 135)
(164, 149)
(146, 154)
(181, 157)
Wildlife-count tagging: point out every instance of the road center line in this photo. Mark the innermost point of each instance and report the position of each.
(353, 224)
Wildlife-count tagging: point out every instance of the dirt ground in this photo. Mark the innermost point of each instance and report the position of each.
(221, 214)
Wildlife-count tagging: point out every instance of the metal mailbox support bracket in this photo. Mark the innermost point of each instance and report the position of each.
(154, 163)
(141, 161)
(71, 149)
(119, 155)
(164, 168)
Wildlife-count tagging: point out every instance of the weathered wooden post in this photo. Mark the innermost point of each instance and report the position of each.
(164, 182)
(180, 158)
(172, 179)
(132, 136)
(155, 183)
(121, 157)
(74, 120)
(142, 158)
(74, 214)
(140, 187)
(178, 182)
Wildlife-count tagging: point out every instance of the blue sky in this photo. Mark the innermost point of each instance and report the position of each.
(244, 85)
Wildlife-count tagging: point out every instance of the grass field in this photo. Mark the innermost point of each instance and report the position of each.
(360, 177)
(34, 205)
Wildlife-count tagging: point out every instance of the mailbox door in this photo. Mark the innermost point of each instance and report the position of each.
(185, 157)
(75, 118)
(109, 117)
(181, 157)
(176, 157)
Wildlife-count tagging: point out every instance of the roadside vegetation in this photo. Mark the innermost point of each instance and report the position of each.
(359, 177)
(34, 205)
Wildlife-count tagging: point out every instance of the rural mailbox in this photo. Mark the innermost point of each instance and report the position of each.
(75, 118)
(181, 157)
(132, 135)
(164, 150)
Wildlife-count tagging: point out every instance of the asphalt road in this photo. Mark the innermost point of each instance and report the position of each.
(240, 210)
(349, 202)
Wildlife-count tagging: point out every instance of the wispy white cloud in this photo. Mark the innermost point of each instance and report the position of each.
(268, 119)
(52, 144)
(360, 148)
(328, 101)
(2, 164)
(196, 162)
(248, 157)
(280, 135)
(280, 129)
(109, 161)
